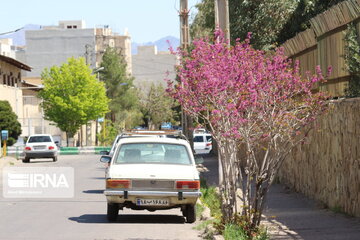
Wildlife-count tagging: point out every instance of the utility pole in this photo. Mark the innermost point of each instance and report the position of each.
(186, 120)
(88, 52)
(222, 17)
(222, 21)
(184, 24)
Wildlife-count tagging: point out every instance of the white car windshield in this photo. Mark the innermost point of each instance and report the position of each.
(162, 153)
(36, 139)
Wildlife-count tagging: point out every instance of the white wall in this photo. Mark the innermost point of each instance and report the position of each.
(5, 47)
(14, 96)
(46, 48)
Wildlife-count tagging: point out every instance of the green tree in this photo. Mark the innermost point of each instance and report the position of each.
(271, 22)
(124, 104)
(264, 19)
(352, 59)
(72, 95)
(108, 133)
(8, 121)
(158, 106)
(300, 18)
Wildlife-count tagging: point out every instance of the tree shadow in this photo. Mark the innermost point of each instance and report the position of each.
(98, 191)
(131, 218)
(100, 178)
(39, 161)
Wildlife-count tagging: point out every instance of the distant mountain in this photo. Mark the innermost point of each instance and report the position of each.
(161, 44)
(18, 37)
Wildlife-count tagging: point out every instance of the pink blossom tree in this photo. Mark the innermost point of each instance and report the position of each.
(257, 107)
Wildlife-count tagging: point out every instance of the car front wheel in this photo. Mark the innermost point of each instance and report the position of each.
(112, 212)
(190, 213)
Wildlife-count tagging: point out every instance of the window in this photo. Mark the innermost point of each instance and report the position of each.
(198, 139)
(68, 27)
(38, 139)
(208, 138)
(161, 153)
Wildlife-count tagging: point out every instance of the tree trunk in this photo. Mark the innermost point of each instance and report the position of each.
(67, 139)
(228, 185)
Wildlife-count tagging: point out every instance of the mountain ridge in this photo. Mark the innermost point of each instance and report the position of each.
(162, 44)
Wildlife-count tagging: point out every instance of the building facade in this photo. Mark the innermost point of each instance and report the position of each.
(150, 66)
(7, 48)
(53, 45)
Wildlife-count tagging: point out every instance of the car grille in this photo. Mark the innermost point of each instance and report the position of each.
(152, 184)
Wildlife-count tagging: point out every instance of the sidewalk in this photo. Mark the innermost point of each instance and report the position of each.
(7, 161)
(290, 215)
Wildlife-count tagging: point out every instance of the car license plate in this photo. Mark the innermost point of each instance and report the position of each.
(39, 147)
(152, 202)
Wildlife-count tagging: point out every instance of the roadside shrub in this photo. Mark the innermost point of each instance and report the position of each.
(239, 229)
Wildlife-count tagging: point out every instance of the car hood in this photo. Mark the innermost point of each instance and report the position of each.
(153, 171)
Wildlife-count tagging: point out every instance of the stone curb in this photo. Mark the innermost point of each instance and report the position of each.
(209, 230)
(65, 151)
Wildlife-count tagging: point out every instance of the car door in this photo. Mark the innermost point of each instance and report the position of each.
(199, 143)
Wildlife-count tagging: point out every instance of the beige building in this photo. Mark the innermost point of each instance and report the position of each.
(22, 97)
(151, 66)
(10, 80)
(6, 47)
(104, 38)
(53, 45)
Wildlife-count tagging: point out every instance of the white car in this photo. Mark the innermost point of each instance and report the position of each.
(40, 146)
(202, 143)
(152, 173)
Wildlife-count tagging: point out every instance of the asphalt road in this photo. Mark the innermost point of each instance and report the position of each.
(84, 216)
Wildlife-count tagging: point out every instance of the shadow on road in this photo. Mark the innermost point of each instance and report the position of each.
(100, 191)
(37, 161)
(98, 178)
(130, 218)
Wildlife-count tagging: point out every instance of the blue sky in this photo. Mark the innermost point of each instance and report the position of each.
(146, 20)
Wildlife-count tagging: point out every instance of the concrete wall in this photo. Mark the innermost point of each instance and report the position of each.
(53, 45)
(45, 48)
(150, 66)
(328, 167)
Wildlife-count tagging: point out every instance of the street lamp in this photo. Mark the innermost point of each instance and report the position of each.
(97, 70)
